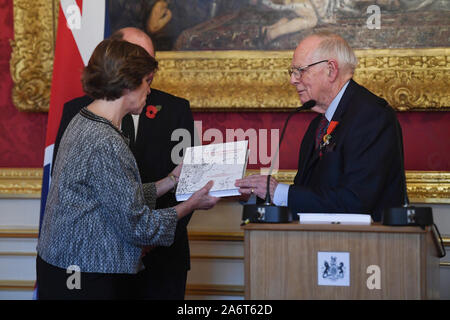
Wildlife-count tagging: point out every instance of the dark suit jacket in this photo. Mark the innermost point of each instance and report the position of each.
(360, 170)
(152, 151)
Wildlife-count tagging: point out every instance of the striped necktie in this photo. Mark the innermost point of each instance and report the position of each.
(321, 129)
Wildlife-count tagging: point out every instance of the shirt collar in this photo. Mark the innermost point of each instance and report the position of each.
(334, 104)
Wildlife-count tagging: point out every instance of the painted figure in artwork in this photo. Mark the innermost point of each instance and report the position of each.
(310, 13)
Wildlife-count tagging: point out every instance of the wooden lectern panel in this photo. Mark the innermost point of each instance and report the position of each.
(281, 261)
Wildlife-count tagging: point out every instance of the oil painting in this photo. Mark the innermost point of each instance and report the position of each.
(182, 25)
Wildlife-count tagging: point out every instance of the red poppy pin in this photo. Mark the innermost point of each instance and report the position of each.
(151, 111)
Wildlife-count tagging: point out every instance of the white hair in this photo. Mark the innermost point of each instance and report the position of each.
(334, 46)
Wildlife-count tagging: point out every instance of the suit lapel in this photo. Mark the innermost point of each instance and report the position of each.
(345, 101)
(144, 126)
(306, 152)
(312, 159)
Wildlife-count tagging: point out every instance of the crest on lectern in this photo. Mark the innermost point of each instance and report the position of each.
(333, 268)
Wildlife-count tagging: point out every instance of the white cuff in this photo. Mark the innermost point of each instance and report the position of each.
(280, 196)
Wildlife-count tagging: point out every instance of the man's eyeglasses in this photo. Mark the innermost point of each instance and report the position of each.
(298, 71)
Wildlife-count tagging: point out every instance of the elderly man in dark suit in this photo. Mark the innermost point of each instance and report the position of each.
(350, 157)
(150, 136)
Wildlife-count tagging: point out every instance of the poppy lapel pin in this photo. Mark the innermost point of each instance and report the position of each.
(152, 110)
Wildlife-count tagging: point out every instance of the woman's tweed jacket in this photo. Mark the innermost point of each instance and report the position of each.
(98, 213)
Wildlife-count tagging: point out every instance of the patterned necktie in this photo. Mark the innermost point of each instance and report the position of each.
(321, 129)
(128, 128)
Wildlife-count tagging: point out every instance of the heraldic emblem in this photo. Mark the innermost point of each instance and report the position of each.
(333, 269)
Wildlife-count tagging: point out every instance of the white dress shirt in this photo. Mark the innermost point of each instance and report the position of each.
(136, 123)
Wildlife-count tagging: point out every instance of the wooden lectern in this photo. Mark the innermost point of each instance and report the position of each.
(281, 262)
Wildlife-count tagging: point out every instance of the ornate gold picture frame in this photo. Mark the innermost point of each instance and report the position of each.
(410, 79)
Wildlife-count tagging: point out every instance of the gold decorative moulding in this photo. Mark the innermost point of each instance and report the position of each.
(410, 79)
(20, 183)
(31, 61)
(423, 186)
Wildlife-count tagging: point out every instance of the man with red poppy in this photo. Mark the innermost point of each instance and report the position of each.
(351, 156)
(150, 133)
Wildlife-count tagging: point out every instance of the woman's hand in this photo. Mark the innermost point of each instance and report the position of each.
(200, 200)
(177, 171)
(168, 183)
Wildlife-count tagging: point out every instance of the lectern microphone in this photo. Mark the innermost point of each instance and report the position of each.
(267, 212)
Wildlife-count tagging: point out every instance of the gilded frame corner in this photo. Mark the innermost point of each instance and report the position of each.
(410, 79)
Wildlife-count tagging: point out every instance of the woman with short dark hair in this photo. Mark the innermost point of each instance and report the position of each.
(98, 215)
